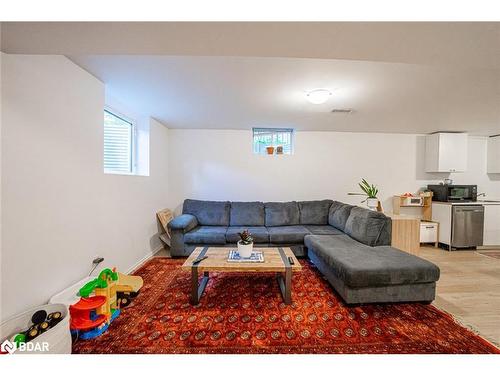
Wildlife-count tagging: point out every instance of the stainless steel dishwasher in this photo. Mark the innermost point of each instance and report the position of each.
(467, 226)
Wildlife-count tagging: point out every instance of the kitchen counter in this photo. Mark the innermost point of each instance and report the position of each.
(478, 203)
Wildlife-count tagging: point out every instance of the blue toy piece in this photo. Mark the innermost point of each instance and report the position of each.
(87, 335)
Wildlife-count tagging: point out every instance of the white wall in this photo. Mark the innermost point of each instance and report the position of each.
(220, 165)
(1, 226)
(59, 210)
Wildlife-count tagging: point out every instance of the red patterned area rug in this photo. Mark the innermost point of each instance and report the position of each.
(245, 314)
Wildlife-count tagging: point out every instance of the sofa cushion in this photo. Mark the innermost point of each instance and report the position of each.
(287, 234)
(314, 212)
(281, 213)
(208, 212)
(369, 227)
(247, 213)
(259, 234)
(360, 266)
(215, 235)
(323, 229)
(338, 214)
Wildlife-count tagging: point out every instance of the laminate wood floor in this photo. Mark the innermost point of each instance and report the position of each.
(469, 288)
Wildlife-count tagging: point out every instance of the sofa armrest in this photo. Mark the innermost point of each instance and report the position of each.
(183, 222)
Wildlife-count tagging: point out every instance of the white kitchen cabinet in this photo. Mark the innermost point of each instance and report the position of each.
(494, 154)
(446, 152)
(491, 234)
(441, 213)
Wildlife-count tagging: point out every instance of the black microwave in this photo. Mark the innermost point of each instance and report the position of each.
(453, 193)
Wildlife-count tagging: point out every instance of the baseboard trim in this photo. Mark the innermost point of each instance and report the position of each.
(144, 259)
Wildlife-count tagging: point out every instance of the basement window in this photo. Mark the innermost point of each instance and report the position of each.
(119, 138)
(273, 141)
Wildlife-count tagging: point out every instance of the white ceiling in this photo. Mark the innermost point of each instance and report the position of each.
(242, 92)
(464, 44)
(398, 77)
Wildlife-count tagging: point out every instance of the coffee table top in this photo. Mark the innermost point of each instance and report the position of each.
(217, 260)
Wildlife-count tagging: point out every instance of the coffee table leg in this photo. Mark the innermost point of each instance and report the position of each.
(286, 286)
(197, 290)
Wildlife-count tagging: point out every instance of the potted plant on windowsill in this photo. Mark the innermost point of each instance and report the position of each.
(245, 245)
(370, 192)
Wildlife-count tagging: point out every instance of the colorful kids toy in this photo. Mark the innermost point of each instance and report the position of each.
(92, 315)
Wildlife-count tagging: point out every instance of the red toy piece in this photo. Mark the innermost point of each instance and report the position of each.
(83, 313)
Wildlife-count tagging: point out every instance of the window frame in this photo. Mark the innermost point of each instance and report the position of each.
(291, 131)
(133, 142)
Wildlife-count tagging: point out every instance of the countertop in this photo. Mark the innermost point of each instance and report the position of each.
(478, 203)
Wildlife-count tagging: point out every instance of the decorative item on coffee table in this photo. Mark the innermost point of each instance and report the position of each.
(255, 257)
(245, 245)
(370, 192)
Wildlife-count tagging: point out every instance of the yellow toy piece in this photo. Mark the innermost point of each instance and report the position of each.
(129, 283)
(127, 287)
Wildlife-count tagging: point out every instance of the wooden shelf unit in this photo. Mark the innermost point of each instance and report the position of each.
(398, 203)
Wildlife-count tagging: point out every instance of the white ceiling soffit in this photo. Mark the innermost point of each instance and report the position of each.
(241, 92)
(465, 44)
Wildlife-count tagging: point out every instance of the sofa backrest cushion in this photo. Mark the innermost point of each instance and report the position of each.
(338, 215)
(314, 212)
(247, 214)
(281, 213)
(208, 212)
(371, 228)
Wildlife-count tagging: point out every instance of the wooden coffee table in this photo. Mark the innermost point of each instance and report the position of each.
(275, 260)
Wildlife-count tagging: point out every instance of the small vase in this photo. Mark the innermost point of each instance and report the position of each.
(372, 203)
(270, 150)
(245, 251)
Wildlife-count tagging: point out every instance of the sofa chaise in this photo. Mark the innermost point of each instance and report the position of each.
(349, 245)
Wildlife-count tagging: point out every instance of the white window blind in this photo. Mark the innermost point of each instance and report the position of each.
(265, 137)
(118, 144)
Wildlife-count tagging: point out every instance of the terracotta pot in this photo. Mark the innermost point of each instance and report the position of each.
(270, 150)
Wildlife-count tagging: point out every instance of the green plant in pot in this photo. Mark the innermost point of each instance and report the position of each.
(370, 191)
(245, 244)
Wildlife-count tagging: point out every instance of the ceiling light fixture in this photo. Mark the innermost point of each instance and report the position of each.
(318, 96)
(343, 110)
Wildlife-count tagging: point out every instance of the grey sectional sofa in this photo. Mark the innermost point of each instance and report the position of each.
(349, 245)
(271, 224)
